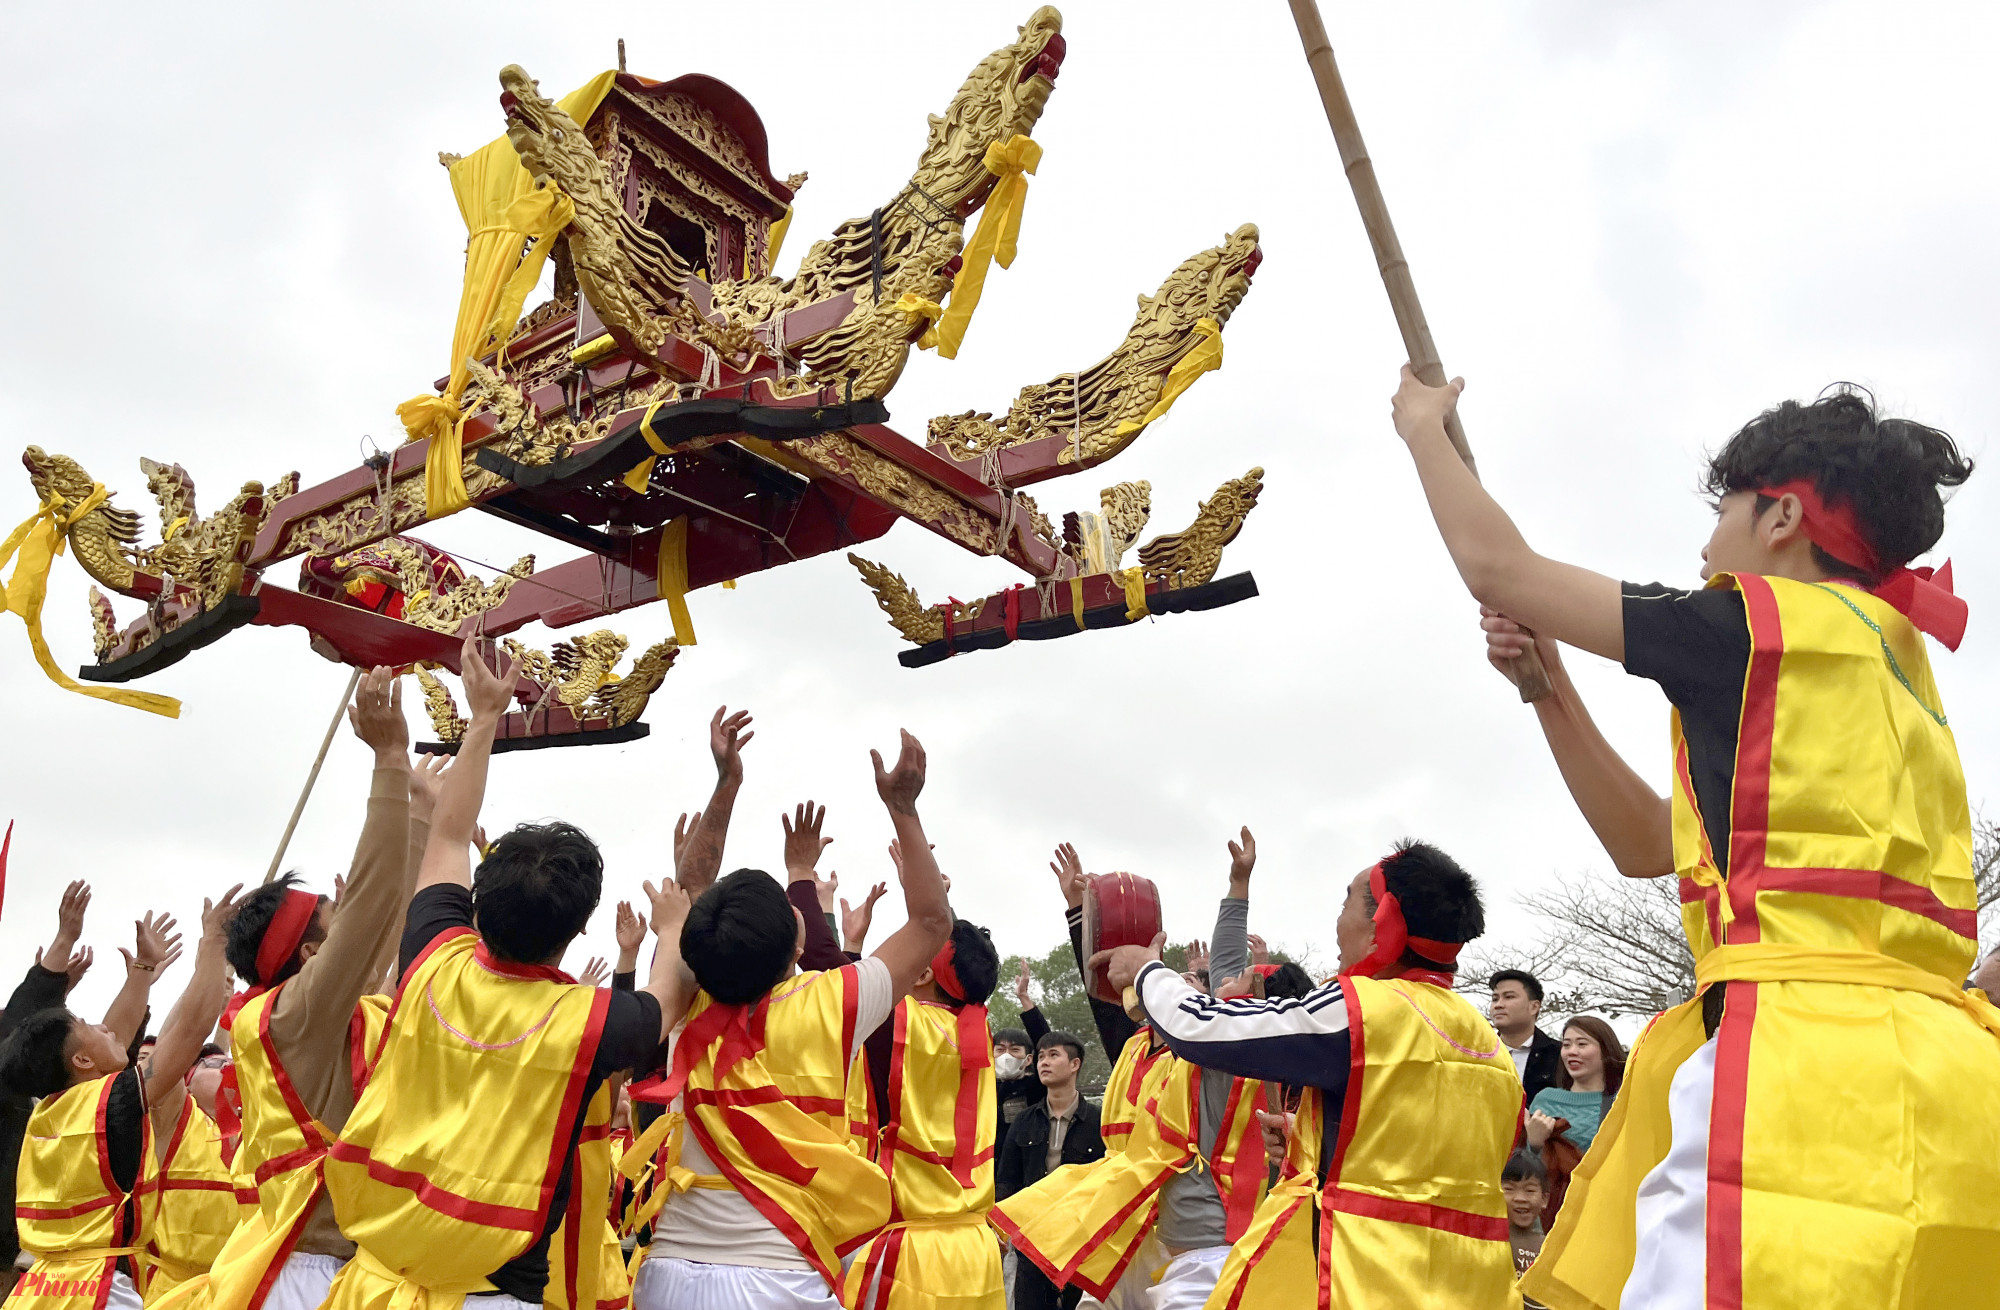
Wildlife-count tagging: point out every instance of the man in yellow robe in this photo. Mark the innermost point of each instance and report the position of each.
(463, 1154)
(930, 1095)
(301, 1036)
(757, 1190)
(199, 1206)
(1391, 1195)
(1800, 1134)
(85, 1192)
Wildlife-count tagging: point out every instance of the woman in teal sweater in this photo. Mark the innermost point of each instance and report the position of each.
(1593, 1062)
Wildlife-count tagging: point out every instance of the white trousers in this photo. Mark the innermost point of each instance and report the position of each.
(1670, 1267)
(669, 1284)
(123, 1295)
(1131, 1292)
(1188, 1279)
(303, 1282)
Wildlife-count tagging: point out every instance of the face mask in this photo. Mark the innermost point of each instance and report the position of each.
(1009, 1066)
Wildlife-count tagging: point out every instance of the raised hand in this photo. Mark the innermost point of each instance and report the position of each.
(79, 965)
(596, 973)
(1021, 984)
(803, 845)
(339, 889)
(426, 781)
(479, 843)
(727, 736)
(900, 787)
(684, 829)
(69, 926)
(1418, 407)
(487, 693)
(631, 930)
(1259, 952)
(1507, 641)
(1123, 963)
(1197, 956)
(1068, 869)
(1243, 984)
(855, 921)
(157, 947)
(215, 917)
(377, 716)
(1242, 859)
(669, 907)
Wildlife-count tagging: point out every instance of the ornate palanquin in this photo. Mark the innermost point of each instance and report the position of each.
(686, 418)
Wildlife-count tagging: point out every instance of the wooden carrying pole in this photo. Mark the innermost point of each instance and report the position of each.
(1529, 675)
(326, 742)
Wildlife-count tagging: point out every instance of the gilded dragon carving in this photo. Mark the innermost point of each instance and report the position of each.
(907, 244)
(204, 555)
(1190, 557)
(907, 614)
(581, 674)
(1088, 409)
(1098, 542)
(574, 668)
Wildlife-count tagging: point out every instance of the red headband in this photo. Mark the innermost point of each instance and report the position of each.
(944, 971)
(282, 938)
(1921, 595)
(1392, 934)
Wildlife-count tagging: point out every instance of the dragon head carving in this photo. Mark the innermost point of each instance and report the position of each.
(105, 540)
(1003, 98)
(1208, 285)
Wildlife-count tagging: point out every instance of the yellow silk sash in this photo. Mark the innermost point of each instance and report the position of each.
(994, 240)
(1775, 962)
(1204, 356)
(40, 539)
(928, 310)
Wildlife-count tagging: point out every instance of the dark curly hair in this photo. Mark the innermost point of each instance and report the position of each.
(1439, 899)
(1888, 470)
(536, 890)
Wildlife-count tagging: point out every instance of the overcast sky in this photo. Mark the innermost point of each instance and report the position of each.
(1634, 227)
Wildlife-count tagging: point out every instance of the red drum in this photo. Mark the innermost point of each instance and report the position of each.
(1119, 909)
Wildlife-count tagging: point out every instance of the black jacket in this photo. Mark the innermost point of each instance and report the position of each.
(42, 989)
(1024, 1159)
(1544, 1065)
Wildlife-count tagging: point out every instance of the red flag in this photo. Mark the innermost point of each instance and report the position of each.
(5, 842)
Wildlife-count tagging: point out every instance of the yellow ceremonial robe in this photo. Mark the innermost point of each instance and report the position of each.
(280, 1156)
(449, 1163)
(1411, 1212)
(72, 1215)
(587, 1233)
(936, 1146)
(1847, 1164)
(198, 1207)
(776, 1123)
(1085, 1224)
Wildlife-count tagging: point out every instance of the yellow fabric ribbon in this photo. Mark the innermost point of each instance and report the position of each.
(640, 476)
(673, 578)
(42, 537)
(775, 242)
(994, 240)
(503, 210)
(1204, 357)
(1076, 602)
(1134, 582)
(1776, 962)
(929, 310)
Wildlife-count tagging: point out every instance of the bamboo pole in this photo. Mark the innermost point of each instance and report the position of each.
(325, 744)
(1529, 675)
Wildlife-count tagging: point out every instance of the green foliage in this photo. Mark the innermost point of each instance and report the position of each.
(1059, 990)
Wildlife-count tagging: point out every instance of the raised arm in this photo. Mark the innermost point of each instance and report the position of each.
(448, 857)
(48, 979)
(1114, 1026)
(158, 946)
(630, 930)
(1500, 569)
(194, 1014)
(698, 863)
(1634, 823)
(671, 982)
(426, 782)
(909, 950)
(807, 891)
(1229, 951)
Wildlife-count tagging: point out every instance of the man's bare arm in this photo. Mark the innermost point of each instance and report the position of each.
(671, 982)
(158, 946)
(1500, 569)
(448, 857)
(1634, 823)
(699, 862)
(194, 1014)
(910, 949)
